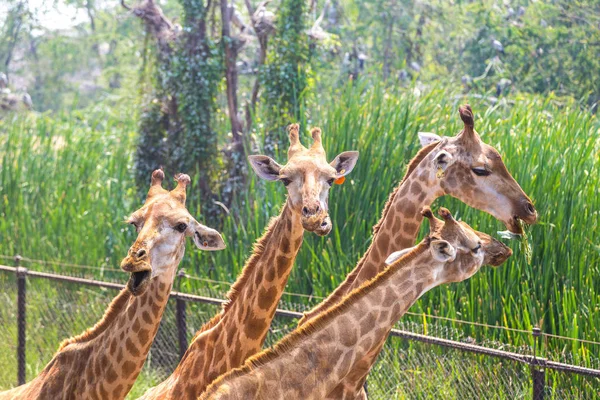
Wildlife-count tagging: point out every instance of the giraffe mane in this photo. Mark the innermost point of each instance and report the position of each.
(291, 340)
(412, 165)
(114, 310)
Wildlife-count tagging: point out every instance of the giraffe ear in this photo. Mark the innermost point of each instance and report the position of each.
(442, 251)
(265, 167)
(443, 160)
(427, 138)
(345, 162)
(207, 238)
(395, 256)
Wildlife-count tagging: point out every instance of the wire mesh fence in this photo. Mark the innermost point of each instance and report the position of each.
(419, 361)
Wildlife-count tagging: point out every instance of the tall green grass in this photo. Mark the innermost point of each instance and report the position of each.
(66, 184)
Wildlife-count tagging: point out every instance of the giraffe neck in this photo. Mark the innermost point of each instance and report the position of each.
(105, 361)
(240, 330)
(399, 226)
(314, 359)
(396, 230)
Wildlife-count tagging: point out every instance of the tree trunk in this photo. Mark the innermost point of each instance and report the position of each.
(231, 76)
(14, 36)
(263, 40)
(235, 153)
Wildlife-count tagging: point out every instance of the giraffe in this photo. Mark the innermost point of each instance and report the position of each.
(311, 362)
(104, 361)
(463, 167)
(240, 329)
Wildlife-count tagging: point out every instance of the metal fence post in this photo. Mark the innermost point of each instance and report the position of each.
(181, 318)
(21, 321)
(538, 374)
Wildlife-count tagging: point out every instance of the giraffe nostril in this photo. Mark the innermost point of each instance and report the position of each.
(530, 208)
(141, 253)
(305, 211)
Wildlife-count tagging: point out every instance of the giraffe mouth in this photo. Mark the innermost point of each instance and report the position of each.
(138, 281)
(514, 225)
(319, 224)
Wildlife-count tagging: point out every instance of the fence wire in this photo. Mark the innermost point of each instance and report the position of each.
(406, 369)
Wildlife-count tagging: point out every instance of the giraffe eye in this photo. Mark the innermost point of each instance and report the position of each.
(285, 181)
(480, 171)
(476, 249)
(180, 227)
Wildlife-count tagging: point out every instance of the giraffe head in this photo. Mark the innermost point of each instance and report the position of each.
(162, 224)
(459, 248)
(307, 177)
(467, 168)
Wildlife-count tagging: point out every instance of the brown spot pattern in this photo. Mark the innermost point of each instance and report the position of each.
(409, 208)
(128, 368)
(132, 309)
(117, 391)
(144, 336)
(146, 317)
(255, 327)
(285, 245)
(283, 265)
(415, 188)
(131, 348)
(410, 227)
(266, 297)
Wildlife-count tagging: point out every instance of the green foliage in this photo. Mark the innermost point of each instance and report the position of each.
(286, 72)
(63, 70)
(61, 203)
(151, 151)
(176, 127)
(67, 179)
(547, 47)
(197, 73)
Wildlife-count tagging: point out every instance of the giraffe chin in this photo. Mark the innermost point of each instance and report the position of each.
(514, 225)
(138, 282)
(321, 224)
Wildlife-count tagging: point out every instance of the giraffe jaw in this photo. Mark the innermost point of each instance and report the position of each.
(319, 224)
(515, 225)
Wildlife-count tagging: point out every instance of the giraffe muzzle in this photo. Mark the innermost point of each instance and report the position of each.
(319, 223)
(496, 253)
(325, 227)
(525, 212)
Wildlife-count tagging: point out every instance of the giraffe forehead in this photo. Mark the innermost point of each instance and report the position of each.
(163, 206)
(476, 152)
(467, 235)
(307, 165)
(459, 233)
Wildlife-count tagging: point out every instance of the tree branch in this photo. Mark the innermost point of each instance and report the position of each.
(263, 39)
(158, 24)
